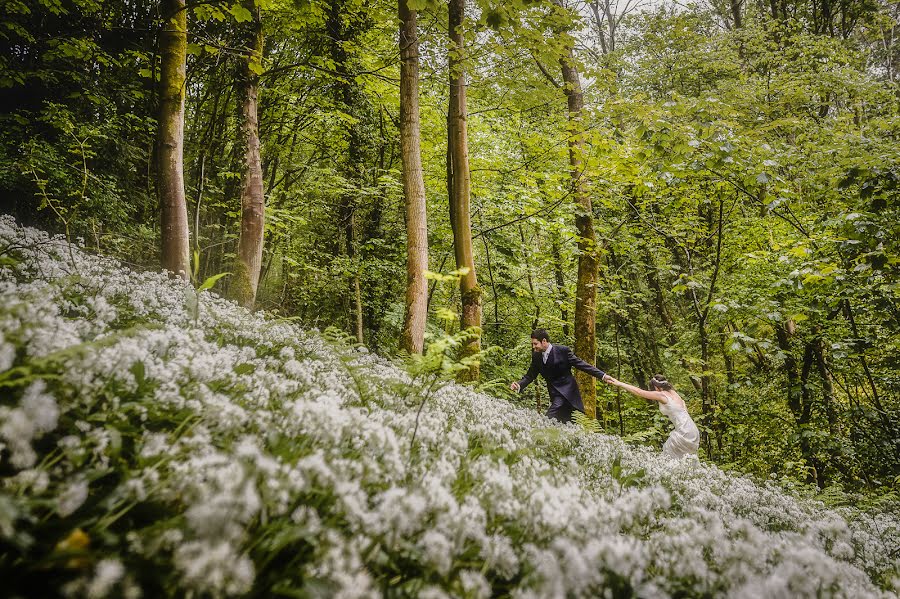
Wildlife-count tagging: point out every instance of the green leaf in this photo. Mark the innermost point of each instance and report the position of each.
(139, 371)
(244, 368)
(240, 14)
(256, 67)
(208, 283)
(196, 263)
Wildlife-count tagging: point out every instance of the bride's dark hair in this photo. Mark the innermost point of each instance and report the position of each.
(659, 381)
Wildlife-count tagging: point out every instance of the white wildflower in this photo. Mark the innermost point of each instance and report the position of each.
(474, 584)
(72, 498)
(154, 444)
(18, 430)
(7, 354)
(107, 573)
(214, 568)
(438, 551)
(40, 407)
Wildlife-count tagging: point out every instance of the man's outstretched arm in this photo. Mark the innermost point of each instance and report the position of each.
(526, 380)
(583, 366)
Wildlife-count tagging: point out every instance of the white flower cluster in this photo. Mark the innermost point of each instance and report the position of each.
(232, 452)
(36, 415)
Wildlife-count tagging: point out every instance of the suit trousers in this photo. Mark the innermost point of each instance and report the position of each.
(560, 408)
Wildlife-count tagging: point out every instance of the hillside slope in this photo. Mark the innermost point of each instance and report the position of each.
(159, 443)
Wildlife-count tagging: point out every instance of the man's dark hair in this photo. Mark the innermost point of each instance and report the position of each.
(540, 335)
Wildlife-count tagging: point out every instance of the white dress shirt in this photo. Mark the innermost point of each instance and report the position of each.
(546, 353)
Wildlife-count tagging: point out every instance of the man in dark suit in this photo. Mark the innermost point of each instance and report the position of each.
(555, 363)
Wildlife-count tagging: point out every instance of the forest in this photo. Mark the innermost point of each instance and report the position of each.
(707, 190)
(268, 269)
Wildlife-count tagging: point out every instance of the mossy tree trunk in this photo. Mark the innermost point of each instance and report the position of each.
(170, 140)
(250, 245)
(412, 338)
(586, 285)
(458, 186)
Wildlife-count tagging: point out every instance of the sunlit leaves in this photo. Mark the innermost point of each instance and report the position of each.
(240, 14)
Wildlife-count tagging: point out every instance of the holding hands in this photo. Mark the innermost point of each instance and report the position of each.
(606, 379)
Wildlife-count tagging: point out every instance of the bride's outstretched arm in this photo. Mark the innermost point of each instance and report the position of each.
(653, 395)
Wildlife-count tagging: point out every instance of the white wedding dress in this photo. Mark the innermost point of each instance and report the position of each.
(685, 439)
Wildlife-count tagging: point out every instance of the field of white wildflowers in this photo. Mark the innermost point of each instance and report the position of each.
(154, 442)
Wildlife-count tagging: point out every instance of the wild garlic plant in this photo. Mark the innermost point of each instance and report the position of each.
(149, 449)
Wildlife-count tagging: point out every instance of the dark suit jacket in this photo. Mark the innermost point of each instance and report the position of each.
(558, 373)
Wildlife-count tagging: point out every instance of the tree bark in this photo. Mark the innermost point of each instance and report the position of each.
(528, 277)
(412, 338)
(349, 95)
(586, 286)
(823, 365)
(250, 245)
(170, 140)
(559, 278)
(487, 257)
(735, 6)
(460, 220)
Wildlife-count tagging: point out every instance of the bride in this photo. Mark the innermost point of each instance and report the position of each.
(685, 439)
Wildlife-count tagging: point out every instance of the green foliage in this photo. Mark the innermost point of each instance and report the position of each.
(591, 425)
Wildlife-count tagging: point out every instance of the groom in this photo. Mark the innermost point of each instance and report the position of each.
(554, 363)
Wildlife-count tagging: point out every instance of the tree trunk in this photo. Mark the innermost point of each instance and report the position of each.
(487, 257)
(528, 276)
(797, 394)
(824, 367)
(350, 97)
(818, 471)
(705, 390)
(460, 220)
(586, 286)
(250, 245)
(412, 338)
(349, 218)
(170, 140)
(735, 6)
(559, 277)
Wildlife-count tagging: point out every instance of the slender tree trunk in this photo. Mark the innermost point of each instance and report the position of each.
(618, 376)
(170, 140)
(534, 299)
(705, 387)
(817, 475)
(559, 277)
(349, 95)
(412, 338)
(356, 289)
(490, 269)
(887, 424)
(735, 6)
(250, 245)
(824, 367)
(586, 286)
(797, 394)
(458, 153)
